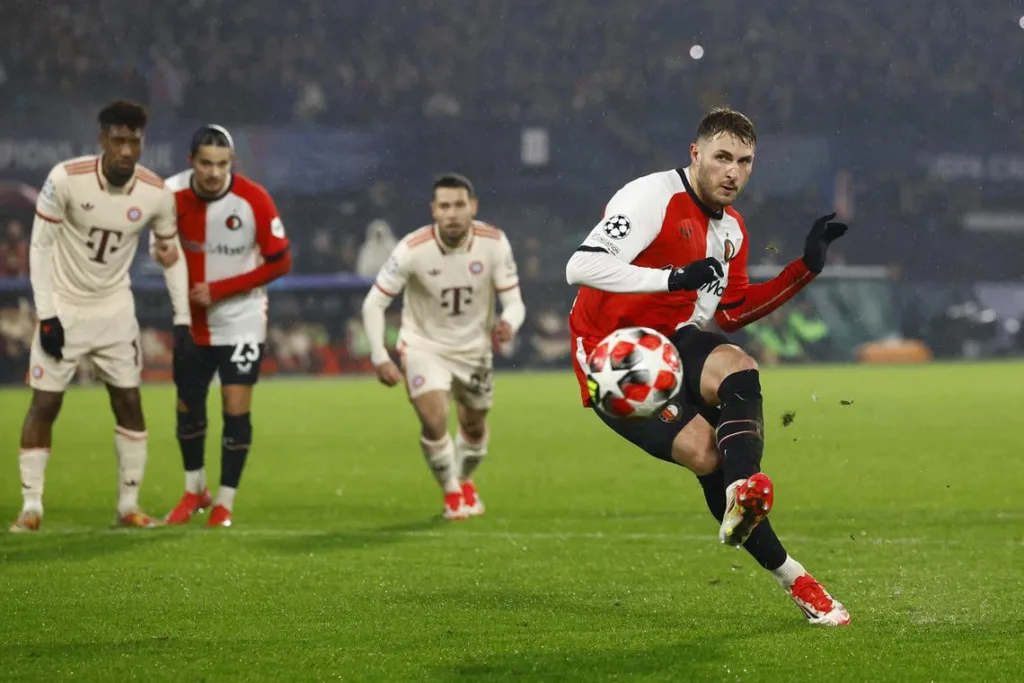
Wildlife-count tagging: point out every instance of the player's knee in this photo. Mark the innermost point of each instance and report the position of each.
(474, 432)
(237, 399)
(694, 448)
(191, 423)
(726, 370)
(127, 404)
(237, 431)
(45, 406)
(434, 430)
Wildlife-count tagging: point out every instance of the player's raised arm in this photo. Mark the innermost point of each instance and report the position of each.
(48, 220)
(633, 219)
(389, 283)
(744, 303)
(274, 247)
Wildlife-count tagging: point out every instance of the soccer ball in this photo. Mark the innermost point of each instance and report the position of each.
(633, 373)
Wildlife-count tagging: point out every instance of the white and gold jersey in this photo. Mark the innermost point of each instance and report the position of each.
(86, 233)
(449, 302)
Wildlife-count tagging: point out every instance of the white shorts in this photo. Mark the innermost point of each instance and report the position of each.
(106, 335)
(467, 378)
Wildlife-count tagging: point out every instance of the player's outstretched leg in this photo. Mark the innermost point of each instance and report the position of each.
(764, 545)
(192, 443)
(36, 438)
(130, 443)
(470, 449)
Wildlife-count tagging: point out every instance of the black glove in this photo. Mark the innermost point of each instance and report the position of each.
(822, 234)
(695, 275)
(51, 337)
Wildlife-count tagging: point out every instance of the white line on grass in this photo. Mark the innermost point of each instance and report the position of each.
(459, 532)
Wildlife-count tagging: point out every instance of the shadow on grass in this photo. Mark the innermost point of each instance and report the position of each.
(78, 547)
(354, 539)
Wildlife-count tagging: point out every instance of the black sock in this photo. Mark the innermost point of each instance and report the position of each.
(740, 432)
(763, 544)
(192, 439)
(714, 492)
(234, 448)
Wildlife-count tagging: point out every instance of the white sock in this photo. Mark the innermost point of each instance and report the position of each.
(131, 459)
(470, 453)
(789, 572)
(441, 460)
(226, 497)
(195, 481)
(32, 462)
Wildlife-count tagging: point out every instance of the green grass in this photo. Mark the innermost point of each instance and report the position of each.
(594, 561)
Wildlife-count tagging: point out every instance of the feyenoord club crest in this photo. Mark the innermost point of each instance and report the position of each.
(233, 222)
(730, 250)
(616, 226)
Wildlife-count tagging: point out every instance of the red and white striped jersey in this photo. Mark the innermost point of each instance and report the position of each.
(657, 223)
(224, 240)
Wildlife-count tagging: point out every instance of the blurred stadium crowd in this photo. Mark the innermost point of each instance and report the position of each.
(799, 68)
(800, 65)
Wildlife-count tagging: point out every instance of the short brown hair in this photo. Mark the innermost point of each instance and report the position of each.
(727, 120)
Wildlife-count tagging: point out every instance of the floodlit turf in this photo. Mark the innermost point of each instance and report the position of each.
(594, 562)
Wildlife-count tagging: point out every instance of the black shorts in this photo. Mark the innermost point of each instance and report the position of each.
(656, 434)
(238, 364)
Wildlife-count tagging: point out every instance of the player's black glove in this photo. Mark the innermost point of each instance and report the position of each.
(51, 337)
(695, 275)
(822, 234)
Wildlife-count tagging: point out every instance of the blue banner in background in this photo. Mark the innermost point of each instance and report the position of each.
(282, 159)
(581, 157)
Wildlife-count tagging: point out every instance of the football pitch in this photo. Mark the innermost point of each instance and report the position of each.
(901, 489)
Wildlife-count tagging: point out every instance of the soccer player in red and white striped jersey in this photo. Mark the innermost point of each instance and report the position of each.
(670, 253)
(234, 244)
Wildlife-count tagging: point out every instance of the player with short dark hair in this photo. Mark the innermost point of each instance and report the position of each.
(451, 271)
(671, 254)
(235, 244)
(89, 215)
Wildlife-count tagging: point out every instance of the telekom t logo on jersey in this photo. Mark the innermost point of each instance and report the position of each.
(455, 298)
(102, 245)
